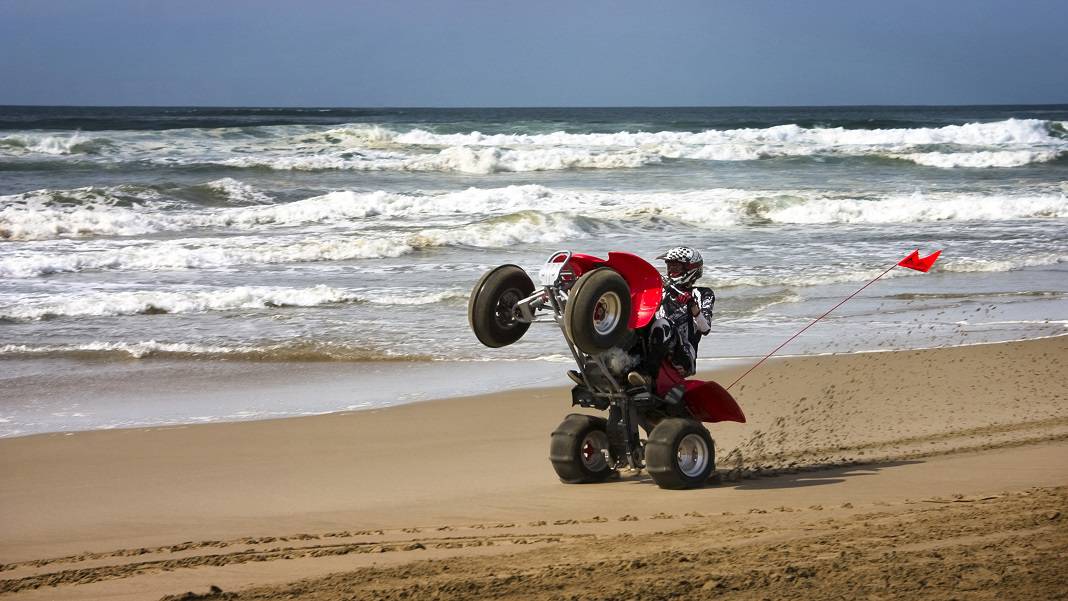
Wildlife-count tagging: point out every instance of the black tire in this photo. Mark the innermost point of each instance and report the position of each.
(597, 311)
(489, 310)
(675, 468)
(575, 449)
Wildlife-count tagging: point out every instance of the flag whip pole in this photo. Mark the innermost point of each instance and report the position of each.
(861, 289)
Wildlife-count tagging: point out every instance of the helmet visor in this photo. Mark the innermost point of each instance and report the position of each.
(676, 269)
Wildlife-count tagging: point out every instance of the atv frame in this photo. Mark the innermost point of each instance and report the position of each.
(600, 305)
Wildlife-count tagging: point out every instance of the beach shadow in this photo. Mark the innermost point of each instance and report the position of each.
(813, 476)
(810, 476)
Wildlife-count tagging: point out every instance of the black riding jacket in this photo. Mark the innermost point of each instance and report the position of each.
(689, 328)
(677, 310)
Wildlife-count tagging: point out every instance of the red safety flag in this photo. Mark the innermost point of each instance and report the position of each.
(924, 264)
(913, 261)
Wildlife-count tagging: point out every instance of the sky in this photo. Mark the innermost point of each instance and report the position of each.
(532, 52)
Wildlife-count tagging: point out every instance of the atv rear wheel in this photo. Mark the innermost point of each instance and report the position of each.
(598, 311)
(577, 450)
(491, 308)
(680, 454)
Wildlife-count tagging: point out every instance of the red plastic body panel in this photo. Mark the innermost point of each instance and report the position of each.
(710, 402)
(646, 287)
(581, 263)
(707, 401)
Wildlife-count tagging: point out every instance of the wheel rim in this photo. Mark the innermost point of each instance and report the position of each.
(692, 455)
(607, 313)
(504, 312)
(591, 452)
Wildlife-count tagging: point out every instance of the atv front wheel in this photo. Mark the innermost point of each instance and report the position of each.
(491, 308)
(578, 450)
(598, 311)
(680, 454)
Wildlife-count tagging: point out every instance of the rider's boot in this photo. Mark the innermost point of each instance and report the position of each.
(637, 379)
(576, 377)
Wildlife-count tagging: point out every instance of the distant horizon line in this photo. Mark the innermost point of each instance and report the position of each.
(489, 107)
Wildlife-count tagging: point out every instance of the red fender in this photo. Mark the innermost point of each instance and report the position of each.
(710, 402)
(581, 263)
(707, 401)
(646, 287)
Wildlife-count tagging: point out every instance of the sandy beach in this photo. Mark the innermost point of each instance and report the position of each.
(912, 474)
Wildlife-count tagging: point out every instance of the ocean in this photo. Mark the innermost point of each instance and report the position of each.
(132, 238)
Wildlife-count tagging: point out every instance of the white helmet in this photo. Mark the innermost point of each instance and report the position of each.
(684, 265)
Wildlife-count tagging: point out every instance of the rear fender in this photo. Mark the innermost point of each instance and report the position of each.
(707, 401)
(710, 402)
(646, 286)
(579, 263)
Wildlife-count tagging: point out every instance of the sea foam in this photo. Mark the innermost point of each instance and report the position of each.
(144, 349)
(101, 303)
(233, 251)
(51, 144)
(460, 217)
(983, 159)
(361, 147)
(1010, 131)
(1008, 143)
(200, 253)
(143, 302)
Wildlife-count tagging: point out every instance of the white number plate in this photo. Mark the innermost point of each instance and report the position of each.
(549, 273)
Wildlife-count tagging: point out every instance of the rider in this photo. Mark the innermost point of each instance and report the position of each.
(684, 317)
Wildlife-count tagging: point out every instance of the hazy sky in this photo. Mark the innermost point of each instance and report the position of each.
(532, 52)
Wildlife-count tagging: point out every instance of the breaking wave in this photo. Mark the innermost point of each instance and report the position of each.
(51, 144)
(984, 159)
(47, 214)
(201, 253)
(719, 207)
(460, 159)
(917, 208)
(150, 302)
(234, 251)
(299, 351)
(232, 191)
(130, 210)
(730, 208)
(120, 210)
(104, 303)
(1010, 131)
(1007, 143)
(517, 228)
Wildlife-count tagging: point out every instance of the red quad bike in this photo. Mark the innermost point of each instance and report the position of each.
(602, 307)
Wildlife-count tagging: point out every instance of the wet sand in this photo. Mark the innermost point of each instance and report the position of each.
(918, 461)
